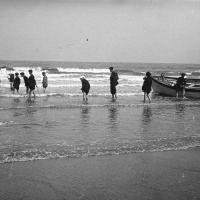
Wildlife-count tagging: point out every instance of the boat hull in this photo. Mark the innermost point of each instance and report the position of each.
(164, 88)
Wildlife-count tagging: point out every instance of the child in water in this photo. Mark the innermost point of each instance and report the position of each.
(44, 81)
(146, 87)
(180, 85)
(32, 83)
(16, 83)
(113, 82)
(26, 82)
(85, 88)
(11, 78)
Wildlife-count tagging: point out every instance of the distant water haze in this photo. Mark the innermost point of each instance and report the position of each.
(116, 31)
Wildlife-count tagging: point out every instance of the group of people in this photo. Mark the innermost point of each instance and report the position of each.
(113, 83)
(146, 88)
(30, 82)
(179, 85)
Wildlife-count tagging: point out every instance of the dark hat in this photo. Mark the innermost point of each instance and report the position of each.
(182, 74)
(148, 74)
(110, 68)
(30, 70)
(22, 73)
(16, 73)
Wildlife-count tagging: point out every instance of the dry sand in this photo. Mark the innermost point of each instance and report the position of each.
(158, 175)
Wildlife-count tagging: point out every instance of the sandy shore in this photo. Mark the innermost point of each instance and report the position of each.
(158, 175)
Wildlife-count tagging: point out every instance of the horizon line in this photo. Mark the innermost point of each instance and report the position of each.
(128, 62)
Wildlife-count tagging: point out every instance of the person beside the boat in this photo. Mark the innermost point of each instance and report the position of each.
(180, 85)
(146, 87)
(162, 77)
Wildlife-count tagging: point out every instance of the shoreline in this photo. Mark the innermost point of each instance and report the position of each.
(147, 175)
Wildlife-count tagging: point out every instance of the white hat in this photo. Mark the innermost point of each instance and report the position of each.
(82, 77)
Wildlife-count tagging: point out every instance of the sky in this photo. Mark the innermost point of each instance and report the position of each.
(145, 31)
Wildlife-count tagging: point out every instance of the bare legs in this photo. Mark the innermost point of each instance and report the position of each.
(85, 98)
(148, 96)
(114, 96)
(31, 91)
(183, 92)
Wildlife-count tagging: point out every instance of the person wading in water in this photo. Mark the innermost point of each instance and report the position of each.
(25, 81)
(32, 83)
(85, 88)
(113, 82)
(146, 87)
(180, 85)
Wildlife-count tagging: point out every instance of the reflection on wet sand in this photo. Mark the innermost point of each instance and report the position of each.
(113, 118)
(113, 112)
(180, 110)
(146, 119)
(146, 115)
(85, 116)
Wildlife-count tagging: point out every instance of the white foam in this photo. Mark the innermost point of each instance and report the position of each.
(81, 70)
(6, 123)
(25, 69)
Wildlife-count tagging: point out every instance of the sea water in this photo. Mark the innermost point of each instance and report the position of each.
(58, 123)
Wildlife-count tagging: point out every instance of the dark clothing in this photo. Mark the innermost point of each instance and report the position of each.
(146, 87)
(114, 78)
(180, 83)
(113, 82)
(45, 81)
(26, 81)
(113, 89)
(16, 83)
(85, 86)
(11, 78)
(32, 82)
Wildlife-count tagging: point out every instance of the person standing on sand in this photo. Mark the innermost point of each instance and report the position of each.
(180, 85)
(85, 88)
(113, 83)
(146, 87)
(44, 81)
(16, 83)
(26, 82)
(32, 83)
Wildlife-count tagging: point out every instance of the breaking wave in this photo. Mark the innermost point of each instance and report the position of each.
(84, 150)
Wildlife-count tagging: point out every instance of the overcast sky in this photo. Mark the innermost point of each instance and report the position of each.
(100, 30)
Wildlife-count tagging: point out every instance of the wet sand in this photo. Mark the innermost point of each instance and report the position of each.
(158, 175)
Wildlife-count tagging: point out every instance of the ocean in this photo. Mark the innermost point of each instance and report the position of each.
(59, 124)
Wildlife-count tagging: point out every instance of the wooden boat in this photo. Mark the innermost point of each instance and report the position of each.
(165, 86)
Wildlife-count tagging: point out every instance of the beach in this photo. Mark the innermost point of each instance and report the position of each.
(151, 175)
(58, 146)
